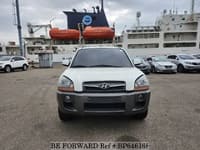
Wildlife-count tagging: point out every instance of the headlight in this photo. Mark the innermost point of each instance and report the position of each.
(174, 66)
(141, 84)
(190, 63)
(65, 84)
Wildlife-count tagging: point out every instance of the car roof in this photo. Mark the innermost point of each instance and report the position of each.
(184, 54)
(90, 48)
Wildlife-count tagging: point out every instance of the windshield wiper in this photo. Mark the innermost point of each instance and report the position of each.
(79, 66)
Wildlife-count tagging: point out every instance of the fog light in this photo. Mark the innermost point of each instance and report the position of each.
(67, 99)
(141, 98)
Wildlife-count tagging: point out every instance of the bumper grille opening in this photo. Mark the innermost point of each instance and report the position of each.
(168, 67)
(140, 104)
(68, 105)
(104, 106)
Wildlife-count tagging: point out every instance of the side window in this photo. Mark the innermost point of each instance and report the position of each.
(14, 58)
(149, 59)
(172, 57)
(169, 57)
(20, 58)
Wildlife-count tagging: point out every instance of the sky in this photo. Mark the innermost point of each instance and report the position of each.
(120, 12)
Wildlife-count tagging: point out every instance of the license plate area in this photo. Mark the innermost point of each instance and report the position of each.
(104, 99)
(104, 106)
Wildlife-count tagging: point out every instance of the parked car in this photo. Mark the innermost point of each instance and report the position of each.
(96, 84)
(141, 64)
(2, 55)
(161, 64)
(66, 61)
(185, 62)
(9, 63)
(197, 56)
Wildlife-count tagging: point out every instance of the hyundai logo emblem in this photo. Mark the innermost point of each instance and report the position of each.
(104, 86)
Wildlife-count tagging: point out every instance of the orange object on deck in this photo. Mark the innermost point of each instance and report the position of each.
(69, 34)
(91, 33)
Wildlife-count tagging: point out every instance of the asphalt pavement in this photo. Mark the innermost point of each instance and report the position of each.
(29, 120)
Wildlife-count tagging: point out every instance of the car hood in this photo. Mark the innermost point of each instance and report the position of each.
(193, 60)
(80, 75)
(3, 62)
(165, 63)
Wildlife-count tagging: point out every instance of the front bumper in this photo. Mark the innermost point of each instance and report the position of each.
(103, 103)
(192, 67)
(144, 69)
(166, 70)
(1, 67)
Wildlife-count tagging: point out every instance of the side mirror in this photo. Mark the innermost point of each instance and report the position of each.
(66, 62)
(75, 49)
(12, 60)
(177, 58)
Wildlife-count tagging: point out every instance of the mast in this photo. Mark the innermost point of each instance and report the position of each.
(19, 27)
(192, 6)
(102, 6)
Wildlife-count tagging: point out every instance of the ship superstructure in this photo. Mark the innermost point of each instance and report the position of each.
(172, 33)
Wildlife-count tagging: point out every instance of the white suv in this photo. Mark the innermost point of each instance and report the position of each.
(9, 63)
(102, 81)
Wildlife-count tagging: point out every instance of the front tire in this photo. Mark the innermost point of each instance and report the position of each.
(24, 67)
(180, 68)
(7, 69)
(63, 117)
(153, 69)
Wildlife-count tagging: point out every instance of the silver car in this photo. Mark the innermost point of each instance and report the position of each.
(161, 64)
(141, 64)
(197, 56)
(185, 62)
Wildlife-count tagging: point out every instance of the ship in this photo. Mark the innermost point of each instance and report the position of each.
(172, 33)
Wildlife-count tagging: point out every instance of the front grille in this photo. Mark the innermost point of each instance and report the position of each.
(104, 106)
(141, 67)
(104, 86)
(196, 63)
(168, 67)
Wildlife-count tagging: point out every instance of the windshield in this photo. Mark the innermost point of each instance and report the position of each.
(159, 59)
(101, 57)
(5, 58)
(197, 56)
(186, 57)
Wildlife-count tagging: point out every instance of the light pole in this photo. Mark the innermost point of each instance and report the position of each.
(19, 27)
